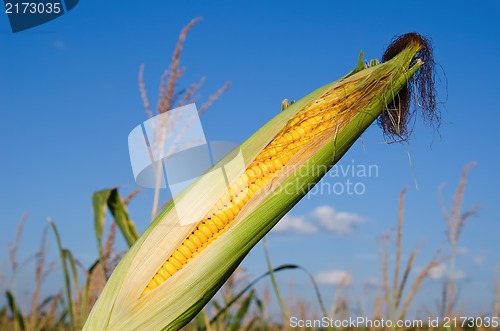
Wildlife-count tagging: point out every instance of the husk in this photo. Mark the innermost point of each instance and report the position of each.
(181, 297)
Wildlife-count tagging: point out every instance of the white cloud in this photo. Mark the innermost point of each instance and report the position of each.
(337, 222)
(372, 282)
(323, 217)
(292, 224)
(478, 260)
(438, 271)
(442, 271)
(334, 277)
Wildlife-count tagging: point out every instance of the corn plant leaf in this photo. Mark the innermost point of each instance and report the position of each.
(99, 203)
(240, 315)
(85, 302)
(74, 273)
(45, 302)
(67, 278)
(122, 218)
(61, 321)
(111, 199)
(16, 312)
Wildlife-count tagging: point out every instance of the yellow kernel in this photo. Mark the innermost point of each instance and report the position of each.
(260, 183)
(177, 264)
(254, 188)
(320, 128)
(235, 210)
(186, 252)
(243, 192)
(250, 193)
(294, 134)
(211, 225)
(152, 284)
(164, 273)
(195, 240)
(240, 204)
(200, 236)
(257, 171)
(246, 197)
(288, 137)
(169, 267)
(189, 244)
(284, 159)
(159, 279)
(229, 214)
(306, 126)
(218, 222)
(225, 199)
(237, 198)
(179, 257)
(270, 166)
(205, 230)
(241, 183)
(277, 163)
(223, 218)
(314, 120)
(264, 153)
(294, 120)
(250, 173)
(327, 115)
(310, 113)
(234, 190)
(281, 141)
(264, 169)
(146, 290)
(300, 131)
(244, 178)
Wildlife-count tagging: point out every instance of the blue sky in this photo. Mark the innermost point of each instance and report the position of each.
(69, 97)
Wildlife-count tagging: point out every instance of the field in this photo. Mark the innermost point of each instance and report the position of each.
(239, 306)
(244, 302)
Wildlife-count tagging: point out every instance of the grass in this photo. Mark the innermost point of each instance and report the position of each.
(239, 305)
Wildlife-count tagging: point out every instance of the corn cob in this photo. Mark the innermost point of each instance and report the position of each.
(172, 271)
(313, 120)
